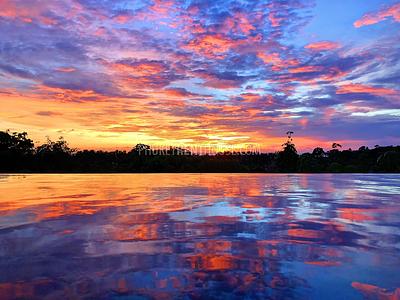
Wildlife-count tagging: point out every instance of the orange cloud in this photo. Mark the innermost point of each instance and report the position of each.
(322, 46)
(143, 68)
(374, 18)
(250, 97)
(180, 93)
(305, 69)
(276, 62)
(355, 88)
(211, 45)
(272, 58)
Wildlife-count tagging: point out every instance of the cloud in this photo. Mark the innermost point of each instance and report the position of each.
(212, 45)
(354, 88)
(379, 16)
(66, 69)
(196, 70)
(181, 93)
(306, 69)
(48, 113)
(143, 67)
(322, 46)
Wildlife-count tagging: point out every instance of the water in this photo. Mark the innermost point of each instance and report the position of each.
(200, 236)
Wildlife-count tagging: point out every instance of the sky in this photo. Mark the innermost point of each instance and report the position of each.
(108, 74)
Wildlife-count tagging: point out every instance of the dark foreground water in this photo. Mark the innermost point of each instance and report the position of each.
(200, 236)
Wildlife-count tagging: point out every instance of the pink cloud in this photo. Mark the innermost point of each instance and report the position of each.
(354, 88)
(275, 60)
(239, 23)
(122, 19)
(322, 46)
(376, 17)
(274, 19)
(141, 68)
(212, 45)
(65, 69)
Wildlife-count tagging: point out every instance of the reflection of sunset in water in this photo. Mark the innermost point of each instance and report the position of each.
(200, 235)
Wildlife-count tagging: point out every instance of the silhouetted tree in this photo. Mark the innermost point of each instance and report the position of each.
(57, 147)
(318, 152)
(16, 151)
(16, 142)
(389, 162)
(288, 157)
(18, 154)
(140, 149)
(178, 151)
(336, 145)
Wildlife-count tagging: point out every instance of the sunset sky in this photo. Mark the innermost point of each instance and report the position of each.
(109, 74)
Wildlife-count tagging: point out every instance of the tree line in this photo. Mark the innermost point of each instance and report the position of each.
(19, 154)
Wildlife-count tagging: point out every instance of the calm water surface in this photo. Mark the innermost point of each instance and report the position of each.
(200, 236)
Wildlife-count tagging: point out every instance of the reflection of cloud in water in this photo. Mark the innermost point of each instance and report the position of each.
(203, 235)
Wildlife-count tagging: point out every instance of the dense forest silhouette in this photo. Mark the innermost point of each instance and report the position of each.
(19, 154)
